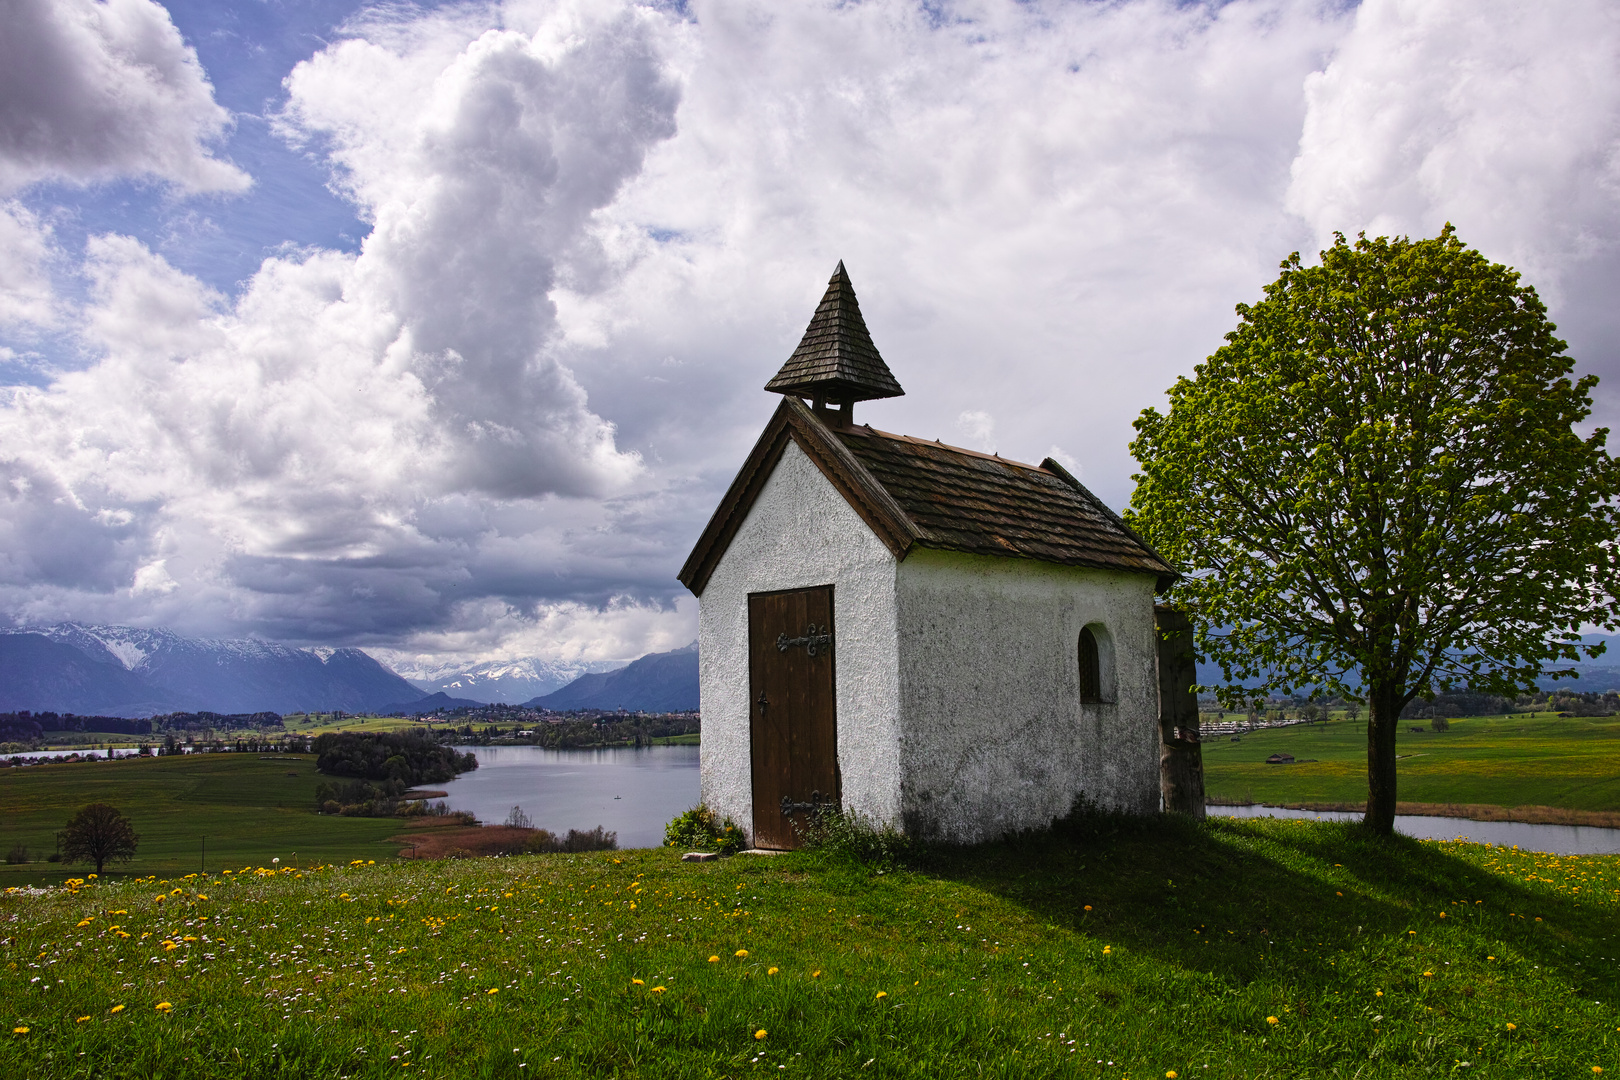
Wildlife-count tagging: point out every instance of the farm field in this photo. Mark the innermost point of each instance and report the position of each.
(1155, 948)
(251, 808)
(1572, 763)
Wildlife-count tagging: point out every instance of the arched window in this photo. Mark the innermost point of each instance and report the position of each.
(1091, 689)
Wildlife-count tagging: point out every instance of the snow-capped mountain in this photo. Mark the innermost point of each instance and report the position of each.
(172, 672)
(508, 682)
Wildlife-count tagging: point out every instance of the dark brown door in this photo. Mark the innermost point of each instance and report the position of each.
(794, 728)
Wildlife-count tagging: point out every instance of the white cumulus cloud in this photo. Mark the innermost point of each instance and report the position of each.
(93, 89)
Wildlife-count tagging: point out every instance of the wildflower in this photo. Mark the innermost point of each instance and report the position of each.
(1490, 958)
(1378, 993)
(1428, 974)
(714, 959)
(1088, 907)
(164, 1006)
(116, 1009)
(656, 990)
(1513, 1027)
(881, 994)
(771, 971)
(741, 954)
(637, 982)
(86, 922)
(1272, 1020)
(1107, 950)
(19, 1031)
(81, 1019)
(1171, 1075)
(202, 896)
(815, 974)
(760, 1034)
(493, 990)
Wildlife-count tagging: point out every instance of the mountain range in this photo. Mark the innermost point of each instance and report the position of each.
(658, 682)
(503, 682)
(130, 671)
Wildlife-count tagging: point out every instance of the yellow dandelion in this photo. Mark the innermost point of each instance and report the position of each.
(1272, 1020)
(86, 922)
(761, 1033)
(1378, 993)
(1171, 1075)
(1595, 1068)
(1513, 1027)
(116, 1009)
(1107, 950)
(815, 974)
(1088, 907)
(493, 990)
(202, 896)
(1490, 958)
(1428, 974)
(714, 959)
(770, 971)
(19, 1031)
(81, 1019)
(656, 990)
(637, 982)
(881, 994)
(741, 954)
(164, 1006)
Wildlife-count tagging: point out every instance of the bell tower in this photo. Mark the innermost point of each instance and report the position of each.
(836, 363)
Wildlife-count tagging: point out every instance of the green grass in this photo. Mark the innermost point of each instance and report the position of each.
(250, 807)
(1120, 950)
(1572, 763)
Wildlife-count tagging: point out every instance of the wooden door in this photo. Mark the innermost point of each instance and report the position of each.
(794, 725)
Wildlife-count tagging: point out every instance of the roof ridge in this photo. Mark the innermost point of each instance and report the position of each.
(956, 449)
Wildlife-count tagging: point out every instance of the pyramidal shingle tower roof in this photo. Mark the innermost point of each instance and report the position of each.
(836, 359)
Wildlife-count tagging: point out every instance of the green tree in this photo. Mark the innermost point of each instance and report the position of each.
(99, 833)
(1376, 488)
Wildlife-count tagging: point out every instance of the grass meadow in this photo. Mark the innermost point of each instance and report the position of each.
(1156, 948)
(1522, 760)
(246, 808)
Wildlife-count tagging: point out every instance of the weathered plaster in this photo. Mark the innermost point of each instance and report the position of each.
(994, 735)
(798, 533)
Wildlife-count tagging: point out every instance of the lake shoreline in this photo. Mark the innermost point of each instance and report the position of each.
(1527, 815)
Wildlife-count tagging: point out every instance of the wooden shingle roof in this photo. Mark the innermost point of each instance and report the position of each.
(913, 493)
(836, 359)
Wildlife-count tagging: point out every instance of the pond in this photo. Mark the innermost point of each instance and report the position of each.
(633, 791)
(1557, 839)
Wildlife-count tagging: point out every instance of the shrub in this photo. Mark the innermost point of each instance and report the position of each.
(701, 829)
(18, 854)
(857, 838)
(597, 839)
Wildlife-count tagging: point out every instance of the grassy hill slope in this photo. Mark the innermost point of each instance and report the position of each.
(1114, 949)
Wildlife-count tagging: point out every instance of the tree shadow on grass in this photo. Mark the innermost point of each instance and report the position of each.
(1242, 900)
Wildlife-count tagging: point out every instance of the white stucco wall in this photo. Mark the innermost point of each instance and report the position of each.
(800, 532)
(994, 735)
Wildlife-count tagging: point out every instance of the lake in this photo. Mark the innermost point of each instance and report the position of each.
(633, 791)
(1557, 839)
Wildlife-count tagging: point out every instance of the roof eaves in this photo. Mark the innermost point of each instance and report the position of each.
(1170, 575)
(794, 420)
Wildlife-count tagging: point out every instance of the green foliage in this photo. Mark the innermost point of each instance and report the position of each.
(100, 834)
(856, 838)
(401, 758)
(1375, 487)
(1156, 945)
(701, 829)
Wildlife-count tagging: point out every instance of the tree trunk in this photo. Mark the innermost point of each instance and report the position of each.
(1384, 704)
(1181, 758)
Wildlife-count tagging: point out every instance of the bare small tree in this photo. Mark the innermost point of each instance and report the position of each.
(517, 819)
(99, 833)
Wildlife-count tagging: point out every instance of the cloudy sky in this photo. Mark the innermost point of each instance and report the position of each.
(439, 329)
